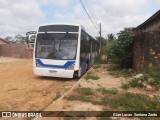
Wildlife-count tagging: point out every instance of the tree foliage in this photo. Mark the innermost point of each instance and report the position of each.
(101, 39)
(110, 37)
(19, 39)
(120, 52)
(9, 38)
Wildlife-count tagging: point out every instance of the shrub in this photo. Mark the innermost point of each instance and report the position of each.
(120, 52)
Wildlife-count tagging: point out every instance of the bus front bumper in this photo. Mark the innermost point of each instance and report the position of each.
(61, 73)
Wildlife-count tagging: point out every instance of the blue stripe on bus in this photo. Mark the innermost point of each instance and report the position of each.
(66, 65)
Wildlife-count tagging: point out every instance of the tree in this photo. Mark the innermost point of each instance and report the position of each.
(121, 50)
(19, 39)
(101, 38)
(110, 36)
(8, 38)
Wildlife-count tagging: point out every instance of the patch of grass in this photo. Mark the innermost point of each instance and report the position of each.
(122, 73)
(154, 74)
(96, 66)
(130, 101)
(117, 71)
(113, 90)
(109, 91)
(99, 60)
(136, 82)
(122, 101)
(78, 97)
(84, 94)
(90, 75)
(149, 74)
(156, 77)
(125, 86)
(102, 90)
(84, 91)
(58, 94)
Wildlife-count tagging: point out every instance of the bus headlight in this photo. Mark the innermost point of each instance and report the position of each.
(71, 67)
(37, 65)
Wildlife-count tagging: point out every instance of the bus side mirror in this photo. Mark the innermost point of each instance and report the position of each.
(30, 37)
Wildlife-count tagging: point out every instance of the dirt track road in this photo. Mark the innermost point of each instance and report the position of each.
(20, 89)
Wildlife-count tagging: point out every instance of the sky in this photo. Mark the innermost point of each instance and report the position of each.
(21, 16)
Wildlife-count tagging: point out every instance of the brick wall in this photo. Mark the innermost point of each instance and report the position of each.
(146, 50)
(138, 51)
(18, 50)
(2, 42)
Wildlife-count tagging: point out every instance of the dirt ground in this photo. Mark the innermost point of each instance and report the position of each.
(106, 81)
(22, 90)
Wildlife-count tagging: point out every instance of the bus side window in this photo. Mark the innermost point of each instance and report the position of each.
(88, 45)
(82, 44)
(93, 46)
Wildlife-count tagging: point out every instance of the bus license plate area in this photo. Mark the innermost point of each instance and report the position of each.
(52, 71)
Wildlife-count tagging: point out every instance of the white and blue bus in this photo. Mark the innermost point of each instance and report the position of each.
(63, 50)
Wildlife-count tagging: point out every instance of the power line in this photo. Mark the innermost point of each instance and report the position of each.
(89, 15)
(91, 10)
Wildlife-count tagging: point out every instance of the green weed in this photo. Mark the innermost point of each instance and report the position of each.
(156, 77)
(131, 102)
(125, 86)
(58, 94)
(117, 71)
(90, 75)
(84, 90)
(109, 91)
(78, 97)
(96, 66)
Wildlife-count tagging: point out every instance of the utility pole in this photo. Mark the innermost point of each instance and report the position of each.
(100, 33)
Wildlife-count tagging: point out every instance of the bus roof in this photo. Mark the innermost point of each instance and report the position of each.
(63, 23)
(73, 24)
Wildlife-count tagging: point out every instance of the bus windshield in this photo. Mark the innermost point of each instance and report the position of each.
(59, 46)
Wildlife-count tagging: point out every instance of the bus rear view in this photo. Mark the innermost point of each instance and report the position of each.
(55, 52)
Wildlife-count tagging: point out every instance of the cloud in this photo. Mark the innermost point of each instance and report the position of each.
(59, 3)
(57, 15)
(77, 16)
(117, 14)
(18, 17)
(113, 14)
